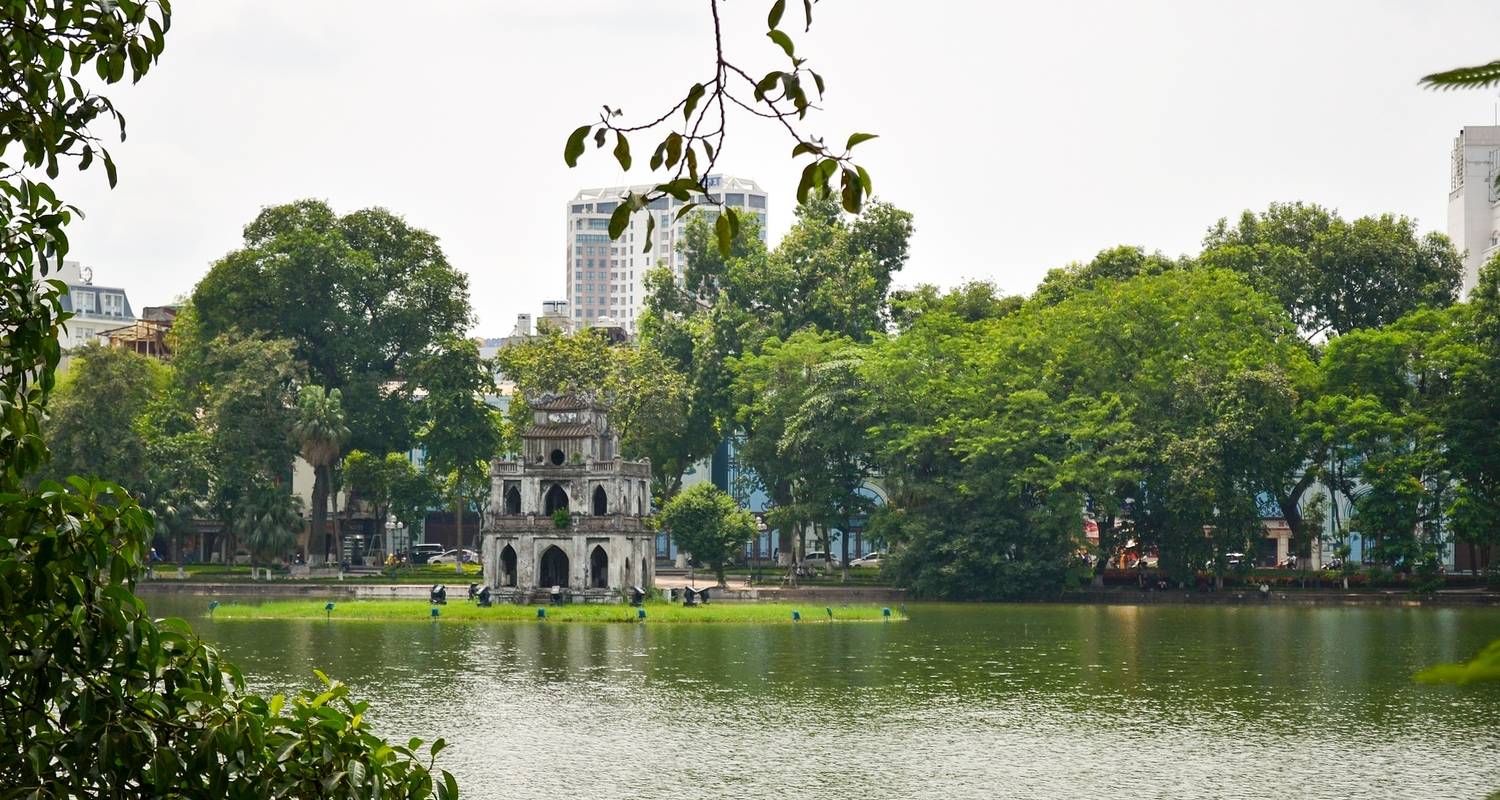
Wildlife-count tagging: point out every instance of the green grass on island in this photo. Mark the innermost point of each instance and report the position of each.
(462, 611)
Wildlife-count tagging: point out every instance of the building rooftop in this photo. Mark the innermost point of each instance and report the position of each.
(727, 183)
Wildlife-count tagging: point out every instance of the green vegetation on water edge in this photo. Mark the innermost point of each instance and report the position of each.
(461, 611)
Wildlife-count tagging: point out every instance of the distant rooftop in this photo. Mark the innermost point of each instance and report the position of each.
(727, 183)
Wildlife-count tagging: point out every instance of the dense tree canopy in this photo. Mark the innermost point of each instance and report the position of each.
(91, 419)
(1335, 276)
(709, 524)
(359, 296)
(1151, 399)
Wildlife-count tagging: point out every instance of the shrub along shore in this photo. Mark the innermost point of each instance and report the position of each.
(462, 611)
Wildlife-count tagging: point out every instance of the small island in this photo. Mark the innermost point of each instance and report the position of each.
(658, 612)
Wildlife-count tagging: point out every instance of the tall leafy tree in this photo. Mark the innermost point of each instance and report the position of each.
(359, 296)
(1334, 276)
(461, 432)
(320, 433)
(708, 523)
(769, 390)
(831, 273)
(827, 443)
(91, 420)
(239, 394)
(1469, 416)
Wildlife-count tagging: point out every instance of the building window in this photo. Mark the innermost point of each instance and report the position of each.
(580, 209)
(85, 302)
(114, 305)
(734, 199)
(757, 201)
(604, 208)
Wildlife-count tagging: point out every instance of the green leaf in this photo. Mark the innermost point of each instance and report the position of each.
(692, 163)
(734, 222)
(1478, 77)
(767, 84)
(599, 136)
(805, 147)
(864, 179)
(807, 12)
(826, 168)
(681, 188)
(694, 95)
(784, 41)
(856, 138)
(804, 186)
(674, 149)
(724, 233)
(618, 220)
(574, 148)
(851, 189)
(685, 209)
(774, 18)
(650, 229)
(622, 151)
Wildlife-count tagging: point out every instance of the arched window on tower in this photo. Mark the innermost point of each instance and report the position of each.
(601, 502)
(555, 500)
(513, 500)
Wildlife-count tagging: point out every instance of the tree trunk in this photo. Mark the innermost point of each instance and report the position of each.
(458, 560)
(320, 509)
(844, 543)
(338, 536)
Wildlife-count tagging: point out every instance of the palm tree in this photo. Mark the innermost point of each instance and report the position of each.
(267, 522)
(320, 432)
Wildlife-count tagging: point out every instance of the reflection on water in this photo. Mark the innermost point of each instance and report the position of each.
(960, 702)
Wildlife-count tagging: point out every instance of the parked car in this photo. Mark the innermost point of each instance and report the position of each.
(867, 560)
(452, 556)
(421, 553)
(819, 560)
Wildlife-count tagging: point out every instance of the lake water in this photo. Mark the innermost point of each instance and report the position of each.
(1034, 701)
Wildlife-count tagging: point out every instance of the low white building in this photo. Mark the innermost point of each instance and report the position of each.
(96, 309)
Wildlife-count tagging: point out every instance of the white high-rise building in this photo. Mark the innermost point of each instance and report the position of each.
(606, 279)
(1473, 203)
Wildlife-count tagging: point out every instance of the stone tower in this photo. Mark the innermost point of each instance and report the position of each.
(569, 471)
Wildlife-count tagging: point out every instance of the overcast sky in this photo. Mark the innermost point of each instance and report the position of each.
(1020, 139)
